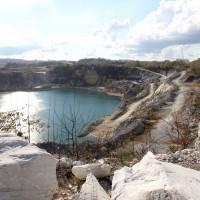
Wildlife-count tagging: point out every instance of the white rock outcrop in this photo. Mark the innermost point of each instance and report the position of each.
(77, 162)
(26, 172)
(65, 162)
(92, 190)
(97, 169)
(197, 142)
(151, 179)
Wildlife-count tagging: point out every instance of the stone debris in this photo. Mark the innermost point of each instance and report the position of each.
(189, 158)
(152, 179)
(92, 190)
(66, 162)
(97, 169)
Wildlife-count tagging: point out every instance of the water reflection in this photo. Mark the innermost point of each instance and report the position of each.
(19, 101)
(28, 104)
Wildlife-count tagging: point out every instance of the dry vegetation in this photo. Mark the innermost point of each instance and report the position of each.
(195, 67)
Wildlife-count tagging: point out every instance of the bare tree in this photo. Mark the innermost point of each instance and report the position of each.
(180, 132)
(48, 122)
(71, 123)
(28, 123)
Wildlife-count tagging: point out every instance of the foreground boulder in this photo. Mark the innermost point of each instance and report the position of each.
(92, 190)
(26, 172)
(97, 169)
(77, 162)
(152, 179)
(65, 162)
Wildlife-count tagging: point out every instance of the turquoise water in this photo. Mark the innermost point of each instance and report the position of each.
(58, 110)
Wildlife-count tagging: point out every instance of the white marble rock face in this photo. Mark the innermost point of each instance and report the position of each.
(26, 171)
(97, 169)
(92, 190)
(152, 179)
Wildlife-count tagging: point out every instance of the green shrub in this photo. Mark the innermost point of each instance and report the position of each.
(172, 148)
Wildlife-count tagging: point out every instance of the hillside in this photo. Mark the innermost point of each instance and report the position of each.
(159, 112)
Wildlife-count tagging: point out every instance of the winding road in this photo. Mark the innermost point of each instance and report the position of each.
(106, 128)
(134, 106)
(163, 127)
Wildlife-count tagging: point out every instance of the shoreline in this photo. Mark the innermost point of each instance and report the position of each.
(60, 86)
(100, 90)
(93, 89)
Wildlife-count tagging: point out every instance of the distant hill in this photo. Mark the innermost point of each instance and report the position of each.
(34, 65)
(4, 62)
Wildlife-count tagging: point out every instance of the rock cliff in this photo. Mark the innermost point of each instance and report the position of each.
(26, 172)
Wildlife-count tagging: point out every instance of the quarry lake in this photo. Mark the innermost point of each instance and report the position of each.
(55, 113)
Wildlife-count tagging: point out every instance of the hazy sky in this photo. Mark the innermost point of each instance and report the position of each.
(116, 29)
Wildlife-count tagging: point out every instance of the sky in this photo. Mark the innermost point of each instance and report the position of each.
(112, 29)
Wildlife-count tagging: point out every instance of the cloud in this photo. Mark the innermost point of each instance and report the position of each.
(171, 31)
(86, 20)
(13, 50)
(180, 51)
(43, 54)
(113, 31)
(19, 3)
(173, 23)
